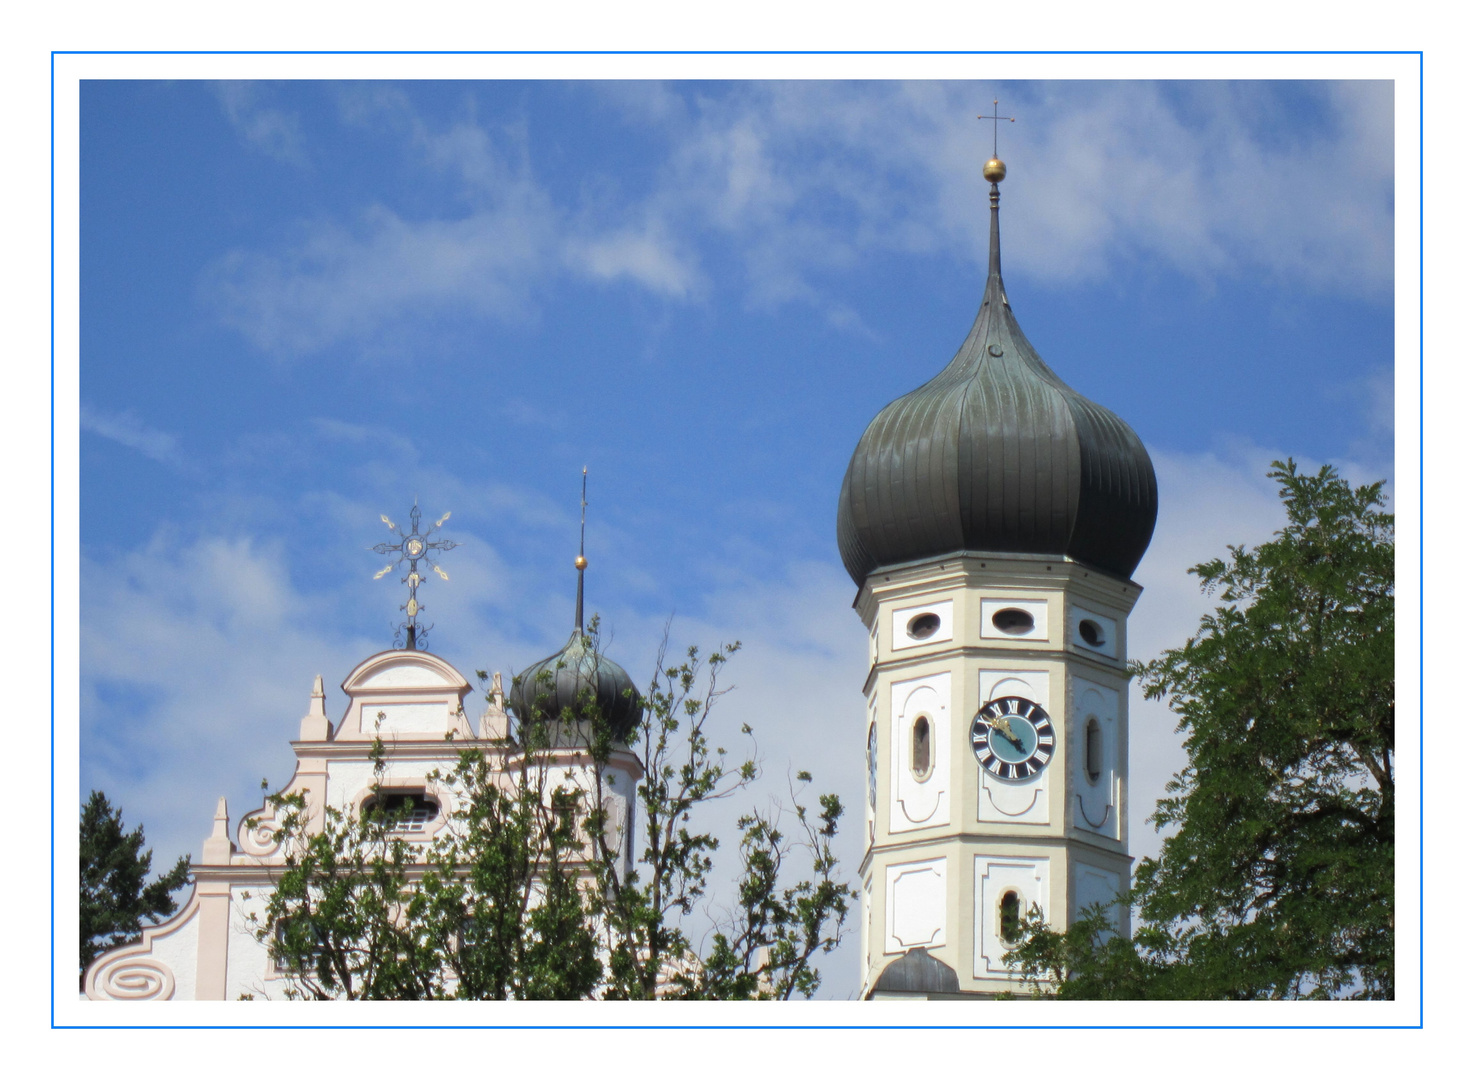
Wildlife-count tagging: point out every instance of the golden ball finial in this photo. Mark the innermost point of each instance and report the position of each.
(580, 562)
(994, 170)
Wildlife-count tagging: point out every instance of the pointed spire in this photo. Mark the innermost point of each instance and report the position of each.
(218, 847)
(315, 725)
(581, 563)
(994, 172)
(995, 269)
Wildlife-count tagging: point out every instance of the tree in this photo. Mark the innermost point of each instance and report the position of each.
(773, 932)
(1277, 879)
(115, 899)
(526, 894)
(491, 910)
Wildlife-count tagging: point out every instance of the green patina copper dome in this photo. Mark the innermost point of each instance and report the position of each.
(997, 454)
(578, 678)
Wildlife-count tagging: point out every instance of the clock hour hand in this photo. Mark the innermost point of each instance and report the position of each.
(1004, 727)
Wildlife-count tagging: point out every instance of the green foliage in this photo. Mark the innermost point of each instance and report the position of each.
(1277, 878)
(491, 909)
(528, 893)
(115, 899)
(774, 931)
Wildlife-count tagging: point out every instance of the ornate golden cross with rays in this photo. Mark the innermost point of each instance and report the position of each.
(413, 546)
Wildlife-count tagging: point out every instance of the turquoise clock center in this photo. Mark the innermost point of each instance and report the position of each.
(1012, 738)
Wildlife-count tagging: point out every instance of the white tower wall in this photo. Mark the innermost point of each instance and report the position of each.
(948, 840)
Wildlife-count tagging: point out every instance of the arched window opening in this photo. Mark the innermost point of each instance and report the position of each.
(921, 748)
(1008, 918)
(403, 811)
(1091, 633)
(1092, 750)
(565, 806)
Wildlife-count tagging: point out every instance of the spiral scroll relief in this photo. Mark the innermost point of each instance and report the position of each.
(259, 839)
(133, 978)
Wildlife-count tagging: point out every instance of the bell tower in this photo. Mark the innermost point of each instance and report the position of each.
(992, 519)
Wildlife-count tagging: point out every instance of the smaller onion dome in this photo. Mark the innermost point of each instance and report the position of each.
(578, 678)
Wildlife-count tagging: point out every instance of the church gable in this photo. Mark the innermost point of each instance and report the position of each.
(404, 694)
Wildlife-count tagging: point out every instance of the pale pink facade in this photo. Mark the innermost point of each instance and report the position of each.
(209, 950)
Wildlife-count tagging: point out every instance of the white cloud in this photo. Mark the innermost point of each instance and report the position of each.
(806, 179)
(346, 283)
(645, 257)
(197, 659)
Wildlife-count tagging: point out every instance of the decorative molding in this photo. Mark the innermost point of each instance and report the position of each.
(900, 617)
(1095, 803)
(993, 875)
(131, 972)
(916, 804)
(916, 905)
(1038, 609)
(1104, 817)
(133, 978)
(999, 801)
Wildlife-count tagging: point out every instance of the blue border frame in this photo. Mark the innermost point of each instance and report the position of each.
(1422, 969)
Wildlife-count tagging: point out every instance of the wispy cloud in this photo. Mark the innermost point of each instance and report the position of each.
(804, 180)
(128, 430)
(273, 132)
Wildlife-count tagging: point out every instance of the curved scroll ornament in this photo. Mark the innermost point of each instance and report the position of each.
(259, 839)
(1008, 800)
(924, 818)
(134, 978)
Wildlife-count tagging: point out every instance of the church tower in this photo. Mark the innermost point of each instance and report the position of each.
(992, 519)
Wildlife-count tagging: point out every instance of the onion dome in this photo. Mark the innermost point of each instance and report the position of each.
(996, 454)
(578, 677)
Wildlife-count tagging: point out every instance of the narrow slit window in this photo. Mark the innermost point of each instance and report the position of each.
(1092, 750)
(921, 748)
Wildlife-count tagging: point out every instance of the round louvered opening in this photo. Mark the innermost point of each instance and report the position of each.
(923, 626)
(1013, 621)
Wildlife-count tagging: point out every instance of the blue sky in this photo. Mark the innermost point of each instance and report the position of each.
(304, 304)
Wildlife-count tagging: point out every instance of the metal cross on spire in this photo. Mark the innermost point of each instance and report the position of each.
(413, 546)
(993, 116)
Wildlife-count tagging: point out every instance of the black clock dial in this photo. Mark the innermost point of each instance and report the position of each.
(1012, 738)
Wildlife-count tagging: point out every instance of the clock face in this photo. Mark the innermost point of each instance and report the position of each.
(1012, 738)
